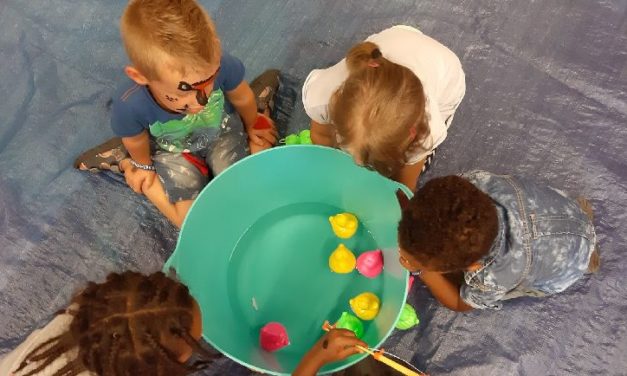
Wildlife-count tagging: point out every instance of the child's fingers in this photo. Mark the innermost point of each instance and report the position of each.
(348, 351)
(343, 341)
(344, 332)
(349, 338)
(270, 137)
(257, 140)
(352, 341)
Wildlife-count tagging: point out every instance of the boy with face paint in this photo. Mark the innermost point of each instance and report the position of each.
(186, 111)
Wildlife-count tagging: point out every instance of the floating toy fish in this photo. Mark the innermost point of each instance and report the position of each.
(370, 264)
(410, 282)
(366, 305)
(273, 336)
(342, 260)
(302, 138)
(344, 225)
(408, 318)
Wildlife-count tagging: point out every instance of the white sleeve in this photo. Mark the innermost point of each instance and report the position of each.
(12, 360)
(318, 89)
(438, 68)
(437, 134)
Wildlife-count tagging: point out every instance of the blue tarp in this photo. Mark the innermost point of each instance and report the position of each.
(546, 99)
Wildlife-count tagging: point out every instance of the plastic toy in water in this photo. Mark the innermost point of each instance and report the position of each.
(273, 337)
(410, 282)
(302, 138)
(342, 260)
(408, 318)
(350, 322)
(344, 225)
(366, 305)
(370, 264)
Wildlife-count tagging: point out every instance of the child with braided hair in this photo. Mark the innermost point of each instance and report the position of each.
(389, 103)
(136, 325)
(131, 325)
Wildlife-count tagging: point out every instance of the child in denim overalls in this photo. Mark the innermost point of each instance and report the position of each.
(508, 236)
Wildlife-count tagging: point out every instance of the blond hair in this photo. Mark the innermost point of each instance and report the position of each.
(376, 108)
(179, 33)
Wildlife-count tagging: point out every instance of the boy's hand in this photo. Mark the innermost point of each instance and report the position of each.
(139, 179)
(265, 137)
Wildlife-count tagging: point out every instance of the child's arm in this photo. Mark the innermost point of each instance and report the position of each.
(138, 148)
(243, 99)
(444, 291)
(336, 345)
(323, 134)
(408, 174)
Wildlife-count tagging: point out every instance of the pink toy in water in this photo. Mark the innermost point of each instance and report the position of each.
(370, 264)
(273, 337)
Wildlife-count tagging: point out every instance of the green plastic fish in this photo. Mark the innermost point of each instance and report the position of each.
(302, 138)
(408, 318)
(350, 322)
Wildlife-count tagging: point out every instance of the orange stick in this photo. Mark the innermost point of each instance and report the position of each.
(378, 355)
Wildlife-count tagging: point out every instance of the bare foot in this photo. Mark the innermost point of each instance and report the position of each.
(595, 261)
(586, 206)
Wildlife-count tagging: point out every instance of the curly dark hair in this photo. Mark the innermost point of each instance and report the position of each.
(448, 225)
(120, 327)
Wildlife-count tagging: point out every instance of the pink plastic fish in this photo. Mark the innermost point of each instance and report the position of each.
(370, 264)
(273, 337)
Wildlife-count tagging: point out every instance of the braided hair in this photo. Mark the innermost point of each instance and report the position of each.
(122, 327)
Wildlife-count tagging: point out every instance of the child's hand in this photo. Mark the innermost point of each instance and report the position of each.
(262, 138)
(336, 345)
(139, 179)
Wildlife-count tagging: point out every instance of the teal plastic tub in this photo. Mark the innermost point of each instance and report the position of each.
(254, 249)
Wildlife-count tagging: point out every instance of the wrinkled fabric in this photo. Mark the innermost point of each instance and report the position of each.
(545, 99)
(193, 133)
(181, 179)
(543, 243)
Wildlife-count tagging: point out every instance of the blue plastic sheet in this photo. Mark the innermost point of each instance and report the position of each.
(546, 98)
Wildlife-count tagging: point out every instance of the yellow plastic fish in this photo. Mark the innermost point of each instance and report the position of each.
(344, 225)
(366, 305)
(342, 260)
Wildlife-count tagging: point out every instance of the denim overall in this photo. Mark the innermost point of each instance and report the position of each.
(543, 244)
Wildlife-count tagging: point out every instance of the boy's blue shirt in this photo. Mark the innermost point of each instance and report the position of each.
(134, 109)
